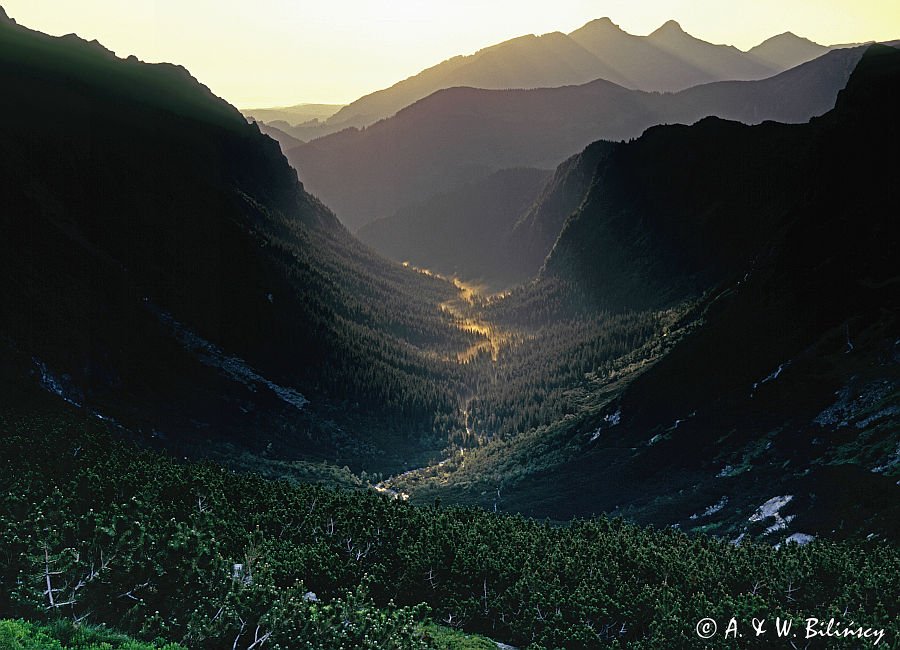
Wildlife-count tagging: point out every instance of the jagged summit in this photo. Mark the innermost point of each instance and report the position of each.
(598, 32)
(668, 60)
(4, 17)
(600, 24)
(670, 27)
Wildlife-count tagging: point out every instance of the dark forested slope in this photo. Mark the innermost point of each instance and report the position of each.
(162, 265)
(781, 381)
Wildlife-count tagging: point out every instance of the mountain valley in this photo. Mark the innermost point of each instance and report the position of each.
(569, 343)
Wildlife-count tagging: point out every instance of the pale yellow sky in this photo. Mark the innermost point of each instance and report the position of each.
(279, 52)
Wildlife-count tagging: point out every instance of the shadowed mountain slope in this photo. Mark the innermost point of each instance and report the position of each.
(781, 385)
(163, 266)
(460, 135)
(284, 139)
(462, 233)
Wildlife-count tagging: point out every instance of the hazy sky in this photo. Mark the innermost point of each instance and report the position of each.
(278, 52)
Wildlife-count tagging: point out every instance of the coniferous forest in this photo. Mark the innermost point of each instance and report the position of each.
(197, 553)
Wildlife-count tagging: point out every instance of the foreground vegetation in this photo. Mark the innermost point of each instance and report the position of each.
(96, 530)
(62, 634)
(65, 635)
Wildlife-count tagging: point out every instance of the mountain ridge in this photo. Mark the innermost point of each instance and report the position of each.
(788, 48)
(651, 63)
(459, 135)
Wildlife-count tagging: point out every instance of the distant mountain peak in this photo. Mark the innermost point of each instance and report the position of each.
(599, 33)
(603, 23)
(669, 27)
(668, 60)
(786, 50)
(787, 37)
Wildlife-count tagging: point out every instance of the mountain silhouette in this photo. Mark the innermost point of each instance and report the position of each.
(300, 114)
(533, 235)
(162, 267)
(669, 59)
(284, 139)
(787, 50)
(460, 135)
(687, 177)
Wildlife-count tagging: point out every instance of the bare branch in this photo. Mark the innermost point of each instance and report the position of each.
(258, 641)
(47, 574)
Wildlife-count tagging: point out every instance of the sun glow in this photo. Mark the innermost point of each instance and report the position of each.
(283, 52)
